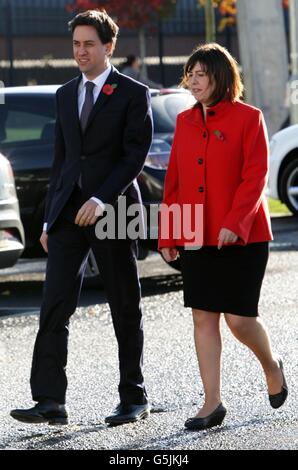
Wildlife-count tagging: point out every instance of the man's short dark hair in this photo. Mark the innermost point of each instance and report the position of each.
(106, 28)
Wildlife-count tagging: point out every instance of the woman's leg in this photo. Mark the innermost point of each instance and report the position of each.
(252, 332)
(208, 346)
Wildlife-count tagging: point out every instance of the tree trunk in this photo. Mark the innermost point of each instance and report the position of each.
(293, 12)
(161, 52)
(9, 42)
(264, 61)
(210, 21)
(142, 45)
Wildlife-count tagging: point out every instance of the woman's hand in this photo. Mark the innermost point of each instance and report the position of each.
(226, 236)
(169, 254)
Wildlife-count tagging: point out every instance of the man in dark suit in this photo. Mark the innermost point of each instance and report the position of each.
(103, 135)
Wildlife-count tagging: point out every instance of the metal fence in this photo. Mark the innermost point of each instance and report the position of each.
(35, 17)
(49, 17)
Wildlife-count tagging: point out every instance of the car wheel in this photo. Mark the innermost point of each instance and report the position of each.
(289, 186)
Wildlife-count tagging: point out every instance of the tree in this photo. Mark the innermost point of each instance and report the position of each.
(264, 58)
(209, 21)
(227, 10)
(137, 15)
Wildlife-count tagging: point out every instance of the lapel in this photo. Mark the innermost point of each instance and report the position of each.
(74, 111)
(103, 98)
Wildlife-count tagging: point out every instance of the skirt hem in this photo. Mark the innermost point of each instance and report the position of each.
(222, 310)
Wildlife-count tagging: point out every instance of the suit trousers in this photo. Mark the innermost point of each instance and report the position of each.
(68, 249)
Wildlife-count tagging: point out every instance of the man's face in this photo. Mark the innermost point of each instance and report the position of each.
(91, 55)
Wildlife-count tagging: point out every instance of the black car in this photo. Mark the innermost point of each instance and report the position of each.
(11, 230)
(27, 120)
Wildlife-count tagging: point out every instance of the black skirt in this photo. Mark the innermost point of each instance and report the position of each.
(228, 280)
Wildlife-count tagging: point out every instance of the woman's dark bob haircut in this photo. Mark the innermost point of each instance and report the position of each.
(220, 67)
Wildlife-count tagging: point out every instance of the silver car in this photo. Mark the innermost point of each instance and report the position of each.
(11, 229)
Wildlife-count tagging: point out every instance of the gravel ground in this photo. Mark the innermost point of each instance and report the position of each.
(171, 374)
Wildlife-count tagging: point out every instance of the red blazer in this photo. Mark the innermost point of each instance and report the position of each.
(221, 163)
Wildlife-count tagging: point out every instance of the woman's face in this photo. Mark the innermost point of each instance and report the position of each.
(200, 85)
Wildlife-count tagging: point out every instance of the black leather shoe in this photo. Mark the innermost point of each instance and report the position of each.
(125, 413)
(278, 399)
(214, 419)
(46, 411)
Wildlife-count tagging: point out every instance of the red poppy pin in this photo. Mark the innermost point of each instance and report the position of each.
(109, 89)
(219, 135)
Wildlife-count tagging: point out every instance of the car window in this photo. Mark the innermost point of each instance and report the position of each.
(165, 109)
(23, 126)
(26, 119)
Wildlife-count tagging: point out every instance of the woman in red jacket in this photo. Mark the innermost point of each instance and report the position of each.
(217, 172)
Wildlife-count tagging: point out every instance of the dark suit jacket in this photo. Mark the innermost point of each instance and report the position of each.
(112, 151)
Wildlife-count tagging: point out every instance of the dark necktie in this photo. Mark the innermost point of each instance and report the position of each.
(85, 113)
(88, 105)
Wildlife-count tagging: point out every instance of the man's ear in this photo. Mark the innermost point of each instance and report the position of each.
(109, 48)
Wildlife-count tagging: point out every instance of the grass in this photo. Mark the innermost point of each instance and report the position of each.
(18, 135)
(277, 207)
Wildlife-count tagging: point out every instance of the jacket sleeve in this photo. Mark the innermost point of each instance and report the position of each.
(170, 196)
(59, 155)
(137, 140)
(250, 192)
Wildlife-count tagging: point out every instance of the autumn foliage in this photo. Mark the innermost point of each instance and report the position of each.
(130, 14)
(228, 11)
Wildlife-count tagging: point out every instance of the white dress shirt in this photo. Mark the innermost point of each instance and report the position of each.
(99, 82)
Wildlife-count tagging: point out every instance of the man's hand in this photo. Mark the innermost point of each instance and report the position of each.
(226, 236)
(88, 213)
(44, 241)
(169, 254)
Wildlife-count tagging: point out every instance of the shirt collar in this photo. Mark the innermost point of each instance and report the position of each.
(99, 80)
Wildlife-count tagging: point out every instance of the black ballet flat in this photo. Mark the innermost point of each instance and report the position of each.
(277, 400)
(214, 419)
